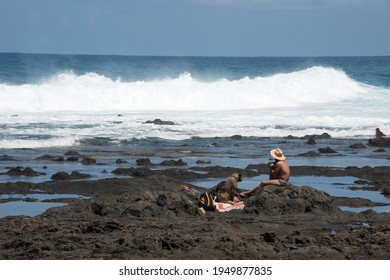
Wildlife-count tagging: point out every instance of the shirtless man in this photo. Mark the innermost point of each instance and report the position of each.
(279, 172)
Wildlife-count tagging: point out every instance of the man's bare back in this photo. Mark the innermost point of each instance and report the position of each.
(280, 171)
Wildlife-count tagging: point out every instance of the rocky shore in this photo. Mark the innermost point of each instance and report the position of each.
(143, 214)
(122, 220)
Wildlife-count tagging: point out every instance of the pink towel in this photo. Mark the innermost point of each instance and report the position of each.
(226, 207)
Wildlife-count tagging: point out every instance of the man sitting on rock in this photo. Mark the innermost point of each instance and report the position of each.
(279, 172)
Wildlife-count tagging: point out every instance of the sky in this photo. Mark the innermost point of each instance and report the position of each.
(197, 27)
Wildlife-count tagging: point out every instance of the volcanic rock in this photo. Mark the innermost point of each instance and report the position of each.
(327, 150)
(357, 146)
(160, 122)
(20, 171)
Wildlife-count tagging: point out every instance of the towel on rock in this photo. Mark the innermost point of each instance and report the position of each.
(226, 207)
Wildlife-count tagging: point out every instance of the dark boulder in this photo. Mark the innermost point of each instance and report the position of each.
(275, 200)
(20, 171)
(319, 136)
(160, 122)
(357, 146)
(30, 172)
(58, 159)
(45, 157)
(327, 150)
(72, 158)
(203, 162)
(379, 142)
(88, 160)
(386, 191)
(72, 153)
(311, 140)
(136, 172)
(380, 139)
(172, 162)
(61, 176)
(309, 154)
(75, 175)
(143, 162)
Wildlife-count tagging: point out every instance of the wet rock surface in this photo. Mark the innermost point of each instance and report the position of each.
(380, 139)
(144, 215)
(147, 217)
(380, 142)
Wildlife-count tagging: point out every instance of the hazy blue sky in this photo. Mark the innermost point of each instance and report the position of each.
(197, 27)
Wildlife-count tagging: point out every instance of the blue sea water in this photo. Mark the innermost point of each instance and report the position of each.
(19, 68)
(98, 105)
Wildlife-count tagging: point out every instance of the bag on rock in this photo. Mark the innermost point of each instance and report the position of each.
(206, 201)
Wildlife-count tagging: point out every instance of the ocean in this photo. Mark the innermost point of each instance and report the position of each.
(99, 106)
(68, 100)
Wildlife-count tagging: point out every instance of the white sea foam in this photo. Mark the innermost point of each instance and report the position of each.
(95, 93)
(67, 108)
(31, 144)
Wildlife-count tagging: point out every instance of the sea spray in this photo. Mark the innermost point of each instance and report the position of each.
(67, 100)
(92, 92)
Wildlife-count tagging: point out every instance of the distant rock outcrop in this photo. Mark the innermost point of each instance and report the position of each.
(327, 150)
(380, 139)
(160, 122)
(75, 175)
(20, 171)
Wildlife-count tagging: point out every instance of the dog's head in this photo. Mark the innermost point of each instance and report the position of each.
(237, 176)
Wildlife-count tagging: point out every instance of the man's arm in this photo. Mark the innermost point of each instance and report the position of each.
(275, 171)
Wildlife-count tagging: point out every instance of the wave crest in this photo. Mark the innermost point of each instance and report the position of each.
(96, 93)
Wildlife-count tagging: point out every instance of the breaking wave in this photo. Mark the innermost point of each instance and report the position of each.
(96, 93)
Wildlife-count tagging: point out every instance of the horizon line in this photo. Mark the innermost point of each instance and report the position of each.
(212, 56)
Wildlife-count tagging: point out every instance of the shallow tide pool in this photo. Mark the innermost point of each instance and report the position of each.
(19, 206)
